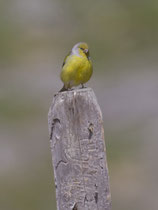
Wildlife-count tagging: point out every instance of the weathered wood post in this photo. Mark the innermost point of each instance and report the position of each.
(78, 151)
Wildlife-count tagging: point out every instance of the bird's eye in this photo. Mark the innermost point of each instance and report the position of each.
(81, 48)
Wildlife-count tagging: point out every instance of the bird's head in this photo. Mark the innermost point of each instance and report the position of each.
(82, 49)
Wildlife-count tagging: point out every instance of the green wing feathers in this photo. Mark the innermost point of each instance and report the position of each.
(66, 58)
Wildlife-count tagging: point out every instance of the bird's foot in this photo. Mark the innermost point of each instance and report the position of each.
(82, 86)
(63, 89)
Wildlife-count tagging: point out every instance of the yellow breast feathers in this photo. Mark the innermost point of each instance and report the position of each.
(77, 67)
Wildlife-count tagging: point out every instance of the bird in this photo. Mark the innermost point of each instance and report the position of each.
(77, 67)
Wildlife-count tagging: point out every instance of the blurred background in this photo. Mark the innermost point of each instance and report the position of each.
(35, 36)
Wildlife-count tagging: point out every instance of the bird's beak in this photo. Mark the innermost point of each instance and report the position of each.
(85, 51)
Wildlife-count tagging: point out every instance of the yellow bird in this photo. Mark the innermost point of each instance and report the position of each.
(77, 67)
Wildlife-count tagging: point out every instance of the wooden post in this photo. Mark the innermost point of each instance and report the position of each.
(78, 151)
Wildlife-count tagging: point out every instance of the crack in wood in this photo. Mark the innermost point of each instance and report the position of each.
(71, 109)
(55, 183)
(75, 207)
(85, 199)
(60, 161)
(96, 197)
(90, 129)
(55, 120)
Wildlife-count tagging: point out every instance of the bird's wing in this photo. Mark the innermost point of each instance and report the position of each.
(66, 58)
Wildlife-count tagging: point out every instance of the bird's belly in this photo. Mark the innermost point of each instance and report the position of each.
(77, 71)
(83, 74)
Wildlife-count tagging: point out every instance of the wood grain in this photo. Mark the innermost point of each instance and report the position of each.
(78, 151)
